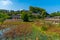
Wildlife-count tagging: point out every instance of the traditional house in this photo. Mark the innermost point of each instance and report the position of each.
(35, 14)
(54, 20)
(18, 16)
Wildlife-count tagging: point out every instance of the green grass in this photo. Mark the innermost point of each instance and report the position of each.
(37, 31)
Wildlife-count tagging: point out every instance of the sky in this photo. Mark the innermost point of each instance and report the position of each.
(49, 5)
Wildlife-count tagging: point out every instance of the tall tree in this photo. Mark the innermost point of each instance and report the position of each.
(36, 9)
(42, 12)
(25, 15)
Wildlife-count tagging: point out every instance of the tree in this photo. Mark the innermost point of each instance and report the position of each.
(55, 14)
(25, 15)
(36, 9)
(3, 17)
(42, 12)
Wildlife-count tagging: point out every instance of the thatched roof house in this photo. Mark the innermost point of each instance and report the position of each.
(18, 16)
(54, 20)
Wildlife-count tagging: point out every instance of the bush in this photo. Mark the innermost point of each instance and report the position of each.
(44, 28)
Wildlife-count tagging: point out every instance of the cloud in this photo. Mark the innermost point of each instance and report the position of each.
(5, 2)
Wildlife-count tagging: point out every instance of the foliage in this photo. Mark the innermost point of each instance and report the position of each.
(26, 15)
(28, 30)
(42, 12)
(3, 17)
(36, 9)
(55, 14)
(44, 28)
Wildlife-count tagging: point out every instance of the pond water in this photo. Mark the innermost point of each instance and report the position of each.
(4, 30)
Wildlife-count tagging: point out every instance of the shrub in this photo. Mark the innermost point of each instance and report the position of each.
(44, 28)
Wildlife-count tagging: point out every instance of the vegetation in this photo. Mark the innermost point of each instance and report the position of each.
(55, 13)
(42, 12)
(33, 26)
(26, 15)
(29, 31)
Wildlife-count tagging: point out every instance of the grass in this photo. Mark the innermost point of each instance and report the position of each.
(37, 30)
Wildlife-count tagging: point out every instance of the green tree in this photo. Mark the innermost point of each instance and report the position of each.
(36, 9)
(3, 17)
(55, 14)
(26, 15)
(42, 12)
